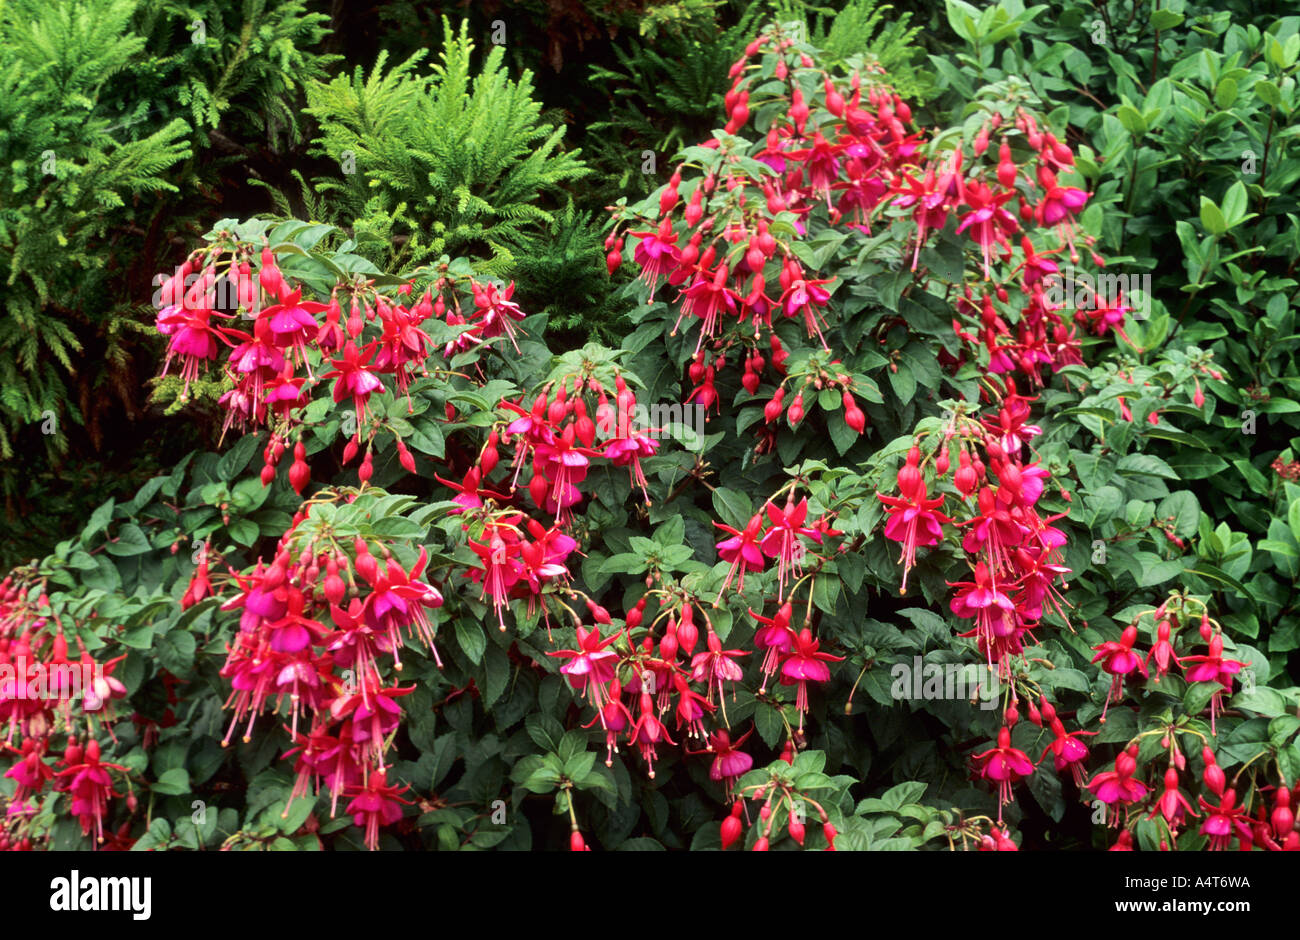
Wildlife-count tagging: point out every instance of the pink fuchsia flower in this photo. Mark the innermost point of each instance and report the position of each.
(742, 550)
(782, 539)
(1060, 203)
(715, 666)
(498, 553)
(776, 637)
(805, 664)
(1212, 667)
(398, 599)
(729, 762)
(648, 732)
(1118, 659)
(496, 312)
(1068, 751)
(1117, 787)
(989, 223)
(1171, 804)
(1225, 820)
(355, 378)
(592, 665)
(656, 253)
(1004, 765)
(914, 521)
(376, 804)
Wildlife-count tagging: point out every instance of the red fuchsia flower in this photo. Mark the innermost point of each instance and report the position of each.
(990, 224)
(1171, 804)
(1106, 313)
(628, 451)
(776, 637)
(293, 322)
(497, 313)
(193, 341)
(1037, 583)
(648, 732)
(498, 553)
(929, 200)
(742, 551)
(821, 163)
(1118, 659)
(913, 520)
(806, 297)
(706, 298)
(293, 632)
(1068, 751)
(402, 347)
(1036, 266)
(1004, 765)
(1212, 667)
(356, 645)
(729, 762)
(30, 773)
(469, 494)
(1117, 786)
(592, 666)
(805, 664)
(264, 597)
(376, 804)
(1060, 203)
(782, 539)
(656, 253)
(691, 708)
(1163, 651)
(993, 611)
(355, 378)
(86, 779)
(715, 666)
(563, 464)
(371, 713)
(614, 718)
(1224, 821)
(994, 526)
(399, 599)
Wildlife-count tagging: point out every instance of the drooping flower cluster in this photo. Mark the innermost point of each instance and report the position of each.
(46, 696)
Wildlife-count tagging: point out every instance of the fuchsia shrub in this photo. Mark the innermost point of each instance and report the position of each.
(860, 304)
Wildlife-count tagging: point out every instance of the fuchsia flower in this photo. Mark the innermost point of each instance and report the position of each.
(376, 804)
(592, 665)
(804, 664)
(1118, 786)
(648, 731)
(1118, 659)
(742, 550)
(496, 312)
(914, 520)
(498, 554)
(1171, 804)
(86, 779)
(1225, 820)
(1004, 765)
(990, 224)
(1068, 751)
(782, 539)
(1212, 667)
(355, 377)
(995, 614)
(776, 637)
(715, 665)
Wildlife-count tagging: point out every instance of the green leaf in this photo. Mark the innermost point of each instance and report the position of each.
(471, 638)
(1212, 218)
